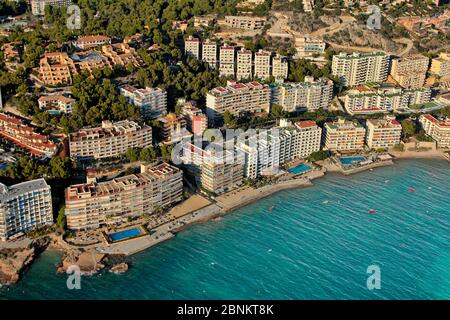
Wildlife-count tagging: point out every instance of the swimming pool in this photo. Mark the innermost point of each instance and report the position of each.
(125, 234)
(301, 168)
(351, 160)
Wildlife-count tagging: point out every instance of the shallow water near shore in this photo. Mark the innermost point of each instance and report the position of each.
(309, 243)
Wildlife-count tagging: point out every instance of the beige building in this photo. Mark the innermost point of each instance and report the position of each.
(214, 168)
(192, 47)
(410, 72)
(245, 22)
(56, 68)
(92, 205)
(343, 135)
(360, 68)
(441, 65)
(112, 139)
(227, 61)
(262, 64)
(174, 128)
(122, 54)
(383, 133)
(244, 64)
(209, 53)
(439, 130)
(279, 67)
(238, 99)
(91, 42)
(56, 103)
(310, 94)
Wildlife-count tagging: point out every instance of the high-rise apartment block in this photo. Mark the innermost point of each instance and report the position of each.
(152, 102)
(227, 61)
(24, 206)
(343, 135)
(262, 64)
(439, 130)
(192, 47)
(361, 68)
(383, 133)
(244, 64)
(209, 53)
(410, 72)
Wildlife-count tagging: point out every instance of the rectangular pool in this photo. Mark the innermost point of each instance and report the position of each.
(125, 234)
(301, 168)
(351, 160)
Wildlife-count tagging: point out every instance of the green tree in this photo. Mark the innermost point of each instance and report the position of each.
(61, 219)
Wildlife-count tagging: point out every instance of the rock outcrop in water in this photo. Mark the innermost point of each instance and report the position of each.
(119, 268)
(13, 262)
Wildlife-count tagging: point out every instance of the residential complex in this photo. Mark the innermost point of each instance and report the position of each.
(174, 128)
(24, 206)
(439, 130)
(91, 42)
(90, 61)
(360, 68)
(214, 167)
(410, 72)
(227, 61)
(94, 204)
(56, 68)
(152, 102)
(38, 6)
(310, 94)
(344, 136)
(376, 98)
(245, 22)
(122, 54)
(244, 64)
(309, 46)
(237, 98)
(112, 139)
(196, 120)
(25, 137)
(383, 133)
(56, 104)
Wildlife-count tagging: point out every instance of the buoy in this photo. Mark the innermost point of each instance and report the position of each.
(372, 211)
(412, 190)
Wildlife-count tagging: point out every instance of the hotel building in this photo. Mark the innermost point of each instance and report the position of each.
(196, 120)
(360, 68)
(410, 72)
(307, 139)
(310, 94)
(38, 6)
(244, 64)
(24, 206)
(245, 22)
(439, 130)
(112, 139)
(152, 102)
(90, 61)
(215, 168)
(24, 136)
(56, 103)
(343, 135)
(238, 99)
(209, 53)
(227, 61)
(262, 64)
(383, 133)
(56, 68)
(91, 205)
(91, 42)
(192, 47)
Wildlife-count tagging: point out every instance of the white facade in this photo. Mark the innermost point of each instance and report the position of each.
(152, 102)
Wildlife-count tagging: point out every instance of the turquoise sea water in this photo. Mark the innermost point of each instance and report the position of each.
(313, 243)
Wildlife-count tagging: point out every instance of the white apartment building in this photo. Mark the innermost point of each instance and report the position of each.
(38, 6)
(227, 61)
(56, 103)
(196, 120)
(24, 206)
(310, 94)
(244, 64)
(439, 130)
(262, 64)
(383, 98)
(112, 139)
(307, 139)
(92, 205)
(360, 68)
(152, 102)
(343, 135)
(280, 67)
(238, 99)
(209, 53)
(383, 133)
(192, 47)
(306, 46)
